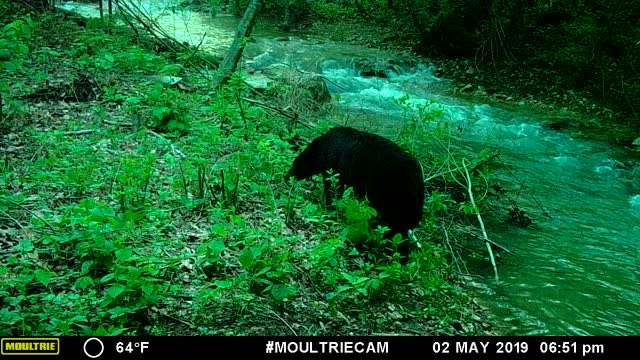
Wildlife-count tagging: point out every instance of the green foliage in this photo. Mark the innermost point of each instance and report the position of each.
(14, 39)
(357, 215)
(132, 182)
(419, 124)
(115, 232)
(168, 111)
(331, 10)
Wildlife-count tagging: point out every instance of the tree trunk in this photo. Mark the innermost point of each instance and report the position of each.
(228, 65)
(411, 8)
(287, 15)
(361, 10)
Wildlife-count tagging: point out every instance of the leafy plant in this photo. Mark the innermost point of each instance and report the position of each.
(13, 43)
(169, 113)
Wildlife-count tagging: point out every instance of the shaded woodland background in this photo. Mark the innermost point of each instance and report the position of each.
(539, 46)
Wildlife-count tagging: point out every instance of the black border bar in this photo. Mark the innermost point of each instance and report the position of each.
(335, 347)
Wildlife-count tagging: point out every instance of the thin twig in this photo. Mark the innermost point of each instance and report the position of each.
(484, 231)
(489, 240)
(128, 7)
(522, 186)
(196, 49)
(284, 321)
(455, 258)
(244, 119)
(175, 318)
(175, 151)
(14, 220)
(266, 106)
(79, 132)
(474, 168)
(118, 123)
(32, 213)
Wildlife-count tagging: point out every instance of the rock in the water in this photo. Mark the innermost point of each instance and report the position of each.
(258, 81)
(467, 87)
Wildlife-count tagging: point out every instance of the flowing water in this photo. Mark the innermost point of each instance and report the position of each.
(576, 272)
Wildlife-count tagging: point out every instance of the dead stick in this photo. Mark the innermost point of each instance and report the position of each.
(79, 132)
(484, 231)
(32, 213)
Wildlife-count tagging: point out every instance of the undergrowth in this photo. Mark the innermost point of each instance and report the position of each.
(146, 209)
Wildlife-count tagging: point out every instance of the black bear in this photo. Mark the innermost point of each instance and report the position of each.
(375, 167)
